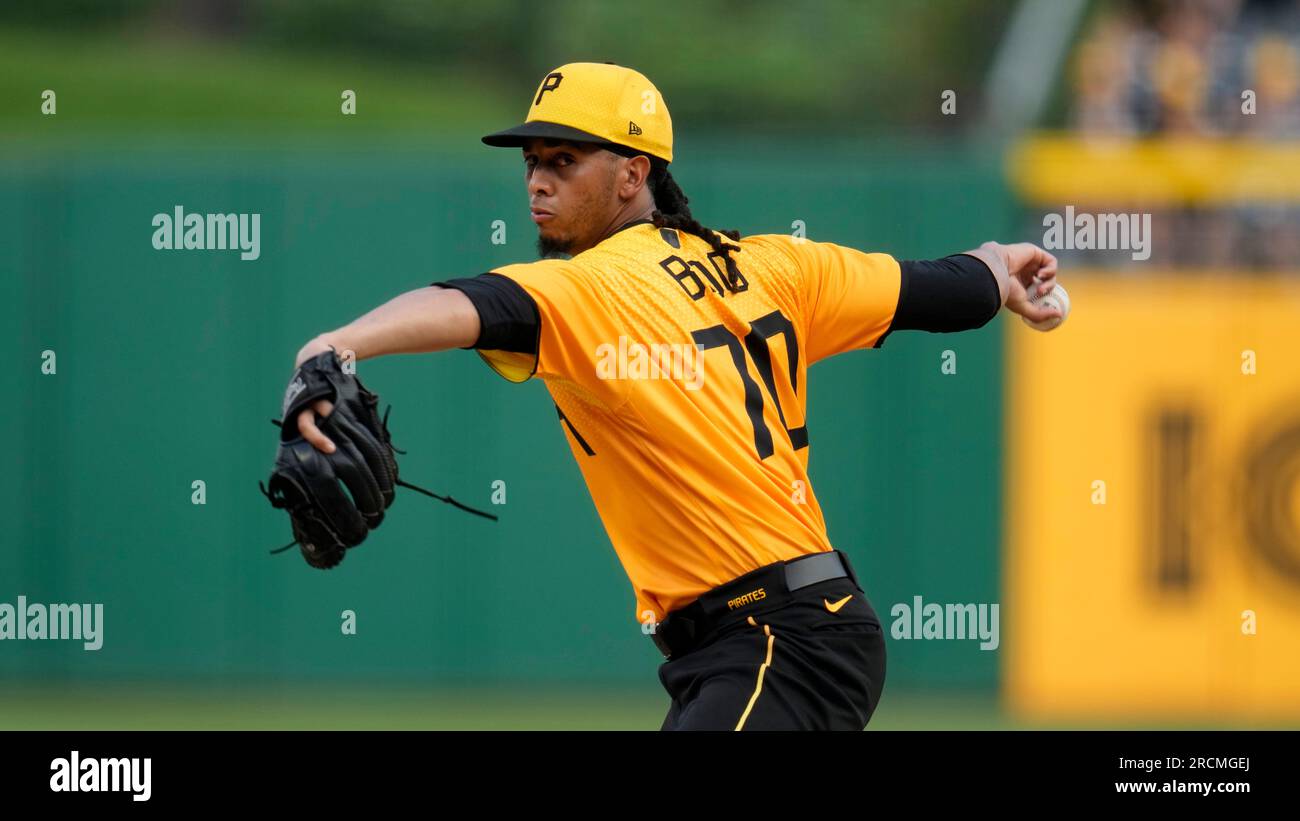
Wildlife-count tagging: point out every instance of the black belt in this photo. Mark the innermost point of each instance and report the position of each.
(755, 592)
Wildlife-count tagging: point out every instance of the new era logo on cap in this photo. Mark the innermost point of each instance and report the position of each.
(596, 103)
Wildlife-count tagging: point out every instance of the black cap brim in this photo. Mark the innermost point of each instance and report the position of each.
(517, 136)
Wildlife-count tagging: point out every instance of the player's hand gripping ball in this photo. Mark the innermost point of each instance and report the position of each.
(310, 484)
(1055, 298)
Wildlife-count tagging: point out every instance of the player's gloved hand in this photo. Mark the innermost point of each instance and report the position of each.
(322, 407)
(332, 440)
(310, 482)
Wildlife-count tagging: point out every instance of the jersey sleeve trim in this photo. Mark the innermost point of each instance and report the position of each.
(510, 323)
(903, 278)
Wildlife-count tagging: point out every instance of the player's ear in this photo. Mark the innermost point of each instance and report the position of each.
(633, 174)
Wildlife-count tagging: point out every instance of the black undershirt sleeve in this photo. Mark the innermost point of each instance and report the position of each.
(956, 293)
(507, 314)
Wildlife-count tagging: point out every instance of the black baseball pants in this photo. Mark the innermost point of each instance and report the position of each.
(814, 663)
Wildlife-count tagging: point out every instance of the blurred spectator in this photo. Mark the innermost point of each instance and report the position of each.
(1102, 69)
(1183, 69)
(1275, 79)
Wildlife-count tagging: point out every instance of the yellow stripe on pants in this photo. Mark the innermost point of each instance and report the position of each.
(758, 687)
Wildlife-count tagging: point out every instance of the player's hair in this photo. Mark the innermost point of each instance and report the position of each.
(672, 211)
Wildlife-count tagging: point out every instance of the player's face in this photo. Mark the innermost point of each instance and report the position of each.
(570, 193)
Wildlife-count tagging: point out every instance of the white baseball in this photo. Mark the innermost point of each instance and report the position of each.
(1055, 298)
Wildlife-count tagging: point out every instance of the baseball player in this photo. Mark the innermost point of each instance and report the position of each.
(677, 359)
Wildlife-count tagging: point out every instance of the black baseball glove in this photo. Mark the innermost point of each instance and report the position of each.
(327, 521)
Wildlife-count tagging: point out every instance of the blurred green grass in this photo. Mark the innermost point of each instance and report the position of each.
(120, 706)
(136, 83)
(488, 707)
(812, 68)
(307, 706)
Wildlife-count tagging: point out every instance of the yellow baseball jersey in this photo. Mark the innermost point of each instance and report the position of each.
(683, 392)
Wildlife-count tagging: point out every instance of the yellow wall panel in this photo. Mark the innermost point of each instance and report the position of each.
(1133, 607)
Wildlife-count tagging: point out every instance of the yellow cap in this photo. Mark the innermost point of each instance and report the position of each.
(599, 103)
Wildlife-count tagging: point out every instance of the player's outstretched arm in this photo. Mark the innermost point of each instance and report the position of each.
(419, 321)
(953, 294)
